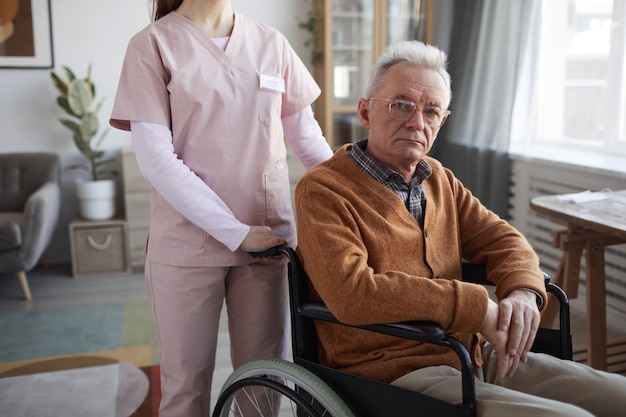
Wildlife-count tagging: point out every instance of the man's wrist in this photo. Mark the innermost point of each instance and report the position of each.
(537, 295)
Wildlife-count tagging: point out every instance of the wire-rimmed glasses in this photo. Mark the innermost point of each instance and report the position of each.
(434, 116)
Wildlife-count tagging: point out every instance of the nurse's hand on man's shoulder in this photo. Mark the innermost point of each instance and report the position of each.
(260, 238)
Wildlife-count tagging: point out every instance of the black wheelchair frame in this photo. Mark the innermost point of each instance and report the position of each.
(370, 398)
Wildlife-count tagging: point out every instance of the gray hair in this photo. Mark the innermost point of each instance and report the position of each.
(412, 52)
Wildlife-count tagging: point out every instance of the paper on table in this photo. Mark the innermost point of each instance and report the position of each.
(582, 197)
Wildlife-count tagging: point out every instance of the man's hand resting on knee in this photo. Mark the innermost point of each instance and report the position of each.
(511, 328)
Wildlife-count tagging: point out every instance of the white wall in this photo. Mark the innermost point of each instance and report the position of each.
(97, 32)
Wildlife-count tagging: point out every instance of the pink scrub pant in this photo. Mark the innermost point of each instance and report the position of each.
(187, 302)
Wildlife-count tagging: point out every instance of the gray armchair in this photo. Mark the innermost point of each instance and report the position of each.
(30, 199)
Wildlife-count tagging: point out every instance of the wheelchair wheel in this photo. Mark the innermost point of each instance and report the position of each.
(277, 388)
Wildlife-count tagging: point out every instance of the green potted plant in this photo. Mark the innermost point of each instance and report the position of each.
(313, 25)
(77, 99)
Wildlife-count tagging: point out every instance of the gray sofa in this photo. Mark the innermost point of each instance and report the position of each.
(30, 199)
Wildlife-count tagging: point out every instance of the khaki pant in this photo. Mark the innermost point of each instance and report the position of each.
(542, 387)
(187, 303)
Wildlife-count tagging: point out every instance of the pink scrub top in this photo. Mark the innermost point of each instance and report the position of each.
(224, 109)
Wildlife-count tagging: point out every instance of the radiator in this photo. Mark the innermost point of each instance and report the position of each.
(531, 178)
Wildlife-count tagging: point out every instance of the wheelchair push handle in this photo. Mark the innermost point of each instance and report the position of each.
(273, 252)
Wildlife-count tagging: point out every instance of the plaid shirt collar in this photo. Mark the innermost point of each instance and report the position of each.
(386, 176)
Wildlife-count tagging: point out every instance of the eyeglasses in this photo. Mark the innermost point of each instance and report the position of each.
(433, 116)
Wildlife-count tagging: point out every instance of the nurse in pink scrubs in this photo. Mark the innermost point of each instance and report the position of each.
(209, 96)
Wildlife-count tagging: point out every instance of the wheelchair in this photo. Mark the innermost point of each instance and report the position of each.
(305, 388)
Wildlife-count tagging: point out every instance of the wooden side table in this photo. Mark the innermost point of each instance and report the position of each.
(592, 221)
(99, 247)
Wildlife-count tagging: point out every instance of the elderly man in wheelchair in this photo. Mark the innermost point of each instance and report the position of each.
(383, 231)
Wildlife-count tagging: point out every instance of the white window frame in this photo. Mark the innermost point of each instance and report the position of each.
(530, 131)
(617, 79)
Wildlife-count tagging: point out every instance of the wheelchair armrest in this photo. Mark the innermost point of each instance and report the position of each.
(421, 331)
(477, 274)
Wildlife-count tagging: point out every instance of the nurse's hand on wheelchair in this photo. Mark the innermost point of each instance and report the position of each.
(260, 238)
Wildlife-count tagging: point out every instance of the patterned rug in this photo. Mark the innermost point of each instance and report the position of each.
(59, 348)
(77, 330)
(110, 383)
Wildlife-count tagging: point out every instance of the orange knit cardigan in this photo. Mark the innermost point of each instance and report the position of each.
(371, 262)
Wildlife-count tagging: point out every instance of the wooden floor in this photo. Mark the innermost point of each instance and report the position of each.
(54, 287)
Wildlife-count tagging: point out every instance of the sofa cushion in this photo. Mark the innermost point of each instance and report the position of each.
(23, 173)
(10, 235)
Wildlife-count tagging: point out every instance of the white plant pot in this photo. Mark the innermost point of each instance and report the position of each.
(96, 199)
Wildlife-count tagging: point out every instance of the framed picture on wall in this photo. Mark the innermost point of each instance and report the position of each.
(25, 34)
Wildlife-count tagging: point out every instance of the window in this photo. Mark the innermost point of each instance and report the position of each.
(581, 76)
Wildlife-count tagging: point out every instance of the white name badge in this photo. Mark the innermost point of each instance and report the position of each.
(269, 82)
